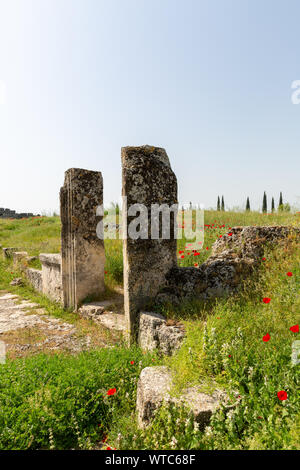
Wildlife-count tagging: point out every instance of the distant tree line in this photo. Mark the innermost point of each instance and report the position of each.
(281, 206)
(220, 204)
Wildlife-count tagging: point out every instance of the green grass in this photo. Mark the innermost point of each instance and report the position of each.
(34, 235)
(223, 347)
(61, 401)
(42, 235)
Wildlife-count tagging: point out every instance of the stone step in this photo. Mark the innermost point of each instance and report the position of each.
(102, 312)
(154, 388)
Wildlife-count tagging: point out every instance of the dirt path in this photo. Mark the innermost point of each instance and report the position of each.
(26, 328)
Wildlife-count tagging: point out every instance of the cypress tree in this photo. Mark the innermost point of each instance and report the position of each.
(222, 204)
(218, 204)
(280, 206)
(273, 205)
(248, 205)
(265, 205)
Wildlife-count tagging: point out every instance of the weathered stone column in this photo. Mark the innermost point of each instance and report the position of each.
(82, 251)
(147, 179)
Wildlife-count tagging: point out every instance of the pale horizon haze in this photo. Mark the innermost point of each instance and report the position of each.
(210, 81)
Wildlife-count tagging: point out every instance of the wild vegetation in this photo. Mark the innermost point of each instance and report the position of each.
(242, 344)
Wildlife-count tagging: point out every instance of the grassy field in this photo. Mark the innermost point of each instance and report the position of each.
(62, 402)
(42, 235)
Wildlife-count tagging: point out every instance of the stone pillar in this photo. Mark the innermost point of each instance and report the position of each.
(147, 179)
(82, 251)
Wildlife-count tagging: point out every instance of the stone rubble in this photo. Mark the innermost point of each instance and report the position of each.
(156, 333)
(100, 313)
(154, 387)
(233, 259)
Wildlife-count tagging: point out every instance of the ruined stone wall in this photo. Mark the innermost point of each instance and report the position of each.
(10, 214)
(51, 276)
(233, 259)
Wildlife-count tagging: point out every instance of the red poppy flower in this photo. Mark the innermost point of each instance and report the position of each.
(195, 264)
(282, 395)
(132, 362)
(182, 256)
(180, 252)
(207, 248)
(266, 338)
(230, 234)
(289, 274)
(111, 391)
(266, 300)
(229, 355)
(108, 448)
(295, 329)
(263, 259)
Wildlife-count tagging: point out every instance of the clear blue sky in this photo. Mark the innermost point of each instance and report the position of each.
(210, 81)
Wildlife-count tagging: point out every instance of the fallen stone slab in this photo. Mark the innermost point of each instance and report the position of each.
(93, 309)
(113, 321)
(34, 277)
(19, 256)
(101, 312)
(156, 333)
(154, 386)
(18, 281)
(8, 252)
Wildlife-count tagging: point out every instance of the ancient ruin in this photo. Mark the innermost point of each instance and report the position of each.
(82, 250)
(11, 214)
(147, 179)
(75, 278)
(151, 273)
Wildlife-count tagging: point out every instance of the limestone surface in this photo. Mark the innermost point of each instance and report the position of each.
(51, 275)
(156, 333)
(101, 313)
(147, 179)
(34, 276)
(154, 387)
(234, 257)
(83, 256)
(19, 256)
(24, 327)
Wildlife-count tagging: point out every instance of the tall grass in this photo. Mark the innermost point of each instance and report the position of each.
(42, 235)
